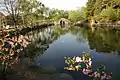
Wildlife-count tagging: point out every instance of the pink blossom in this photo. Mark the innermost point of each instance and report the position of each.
(91, 74)
(89, 70)
(86, 61)
(85, 72)
(103, 77)
(10, 42)
(6, 49)
(96, 75)
(109, 76)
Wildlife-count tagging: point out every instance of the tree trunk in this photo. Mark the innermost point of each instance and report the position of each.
(3, 73)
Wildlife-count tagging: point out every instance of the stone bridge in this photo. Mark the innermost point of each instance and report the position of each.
(63, 21)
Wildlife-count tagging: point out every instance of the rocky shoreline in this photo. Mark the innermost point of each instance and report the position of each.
(4, 32)
(111, 25)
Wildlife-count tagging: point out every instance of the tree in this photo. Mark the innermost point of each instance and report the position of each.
(103, 9)
(11, 8)
(74, 16)
(53, 14)
(83, 13)
(90, 8)
(31, 11)
(118, 14)
(23, 12)
(56, 14)
(78, 15)
(2, 20)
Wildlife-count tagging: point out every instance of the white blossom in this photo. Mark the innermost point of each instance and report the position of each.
(78, 59)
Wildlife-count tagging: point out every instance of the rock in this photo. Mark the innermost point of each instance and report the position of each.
(49, 69)
(118, 22)
(26, 62)
(79, 22)
(61, 76)
(33, 66)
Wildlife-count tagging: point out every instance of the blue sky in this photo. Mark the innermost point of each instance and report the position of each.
(64, 4)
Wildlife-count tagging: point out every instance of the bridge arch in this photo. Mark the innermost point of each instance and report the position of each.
(64, 21)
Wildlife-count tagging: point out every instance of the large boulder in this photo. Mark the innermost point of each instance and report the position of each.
(118, 22)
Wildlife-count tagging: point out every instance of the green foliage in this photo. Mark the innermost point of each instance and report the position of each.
(31, 11)
(78, 15)
(103, 9)
(118, 14)
(109, 13)
(90, 8)
(118, 1)
(56, 14)
(83, 12)
(69, 61)
(74, 15)
(97, 7)
(24, 12)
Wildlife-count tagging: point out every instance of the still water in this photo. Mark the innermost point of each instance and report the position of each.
(51, 45)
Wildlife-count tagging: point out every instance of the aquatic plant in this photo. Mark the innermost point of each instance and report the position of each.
(84, 63)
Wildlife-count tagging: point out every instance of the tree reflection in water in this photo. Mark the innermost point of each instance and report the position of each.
(41, 40)
(102, 40)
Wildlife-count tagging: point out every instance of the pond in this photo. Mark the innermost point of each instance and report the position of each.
(49, 47)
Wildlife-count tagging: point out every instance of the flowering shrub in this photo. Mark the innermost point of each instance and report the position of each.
(11, 49)
(84, 63)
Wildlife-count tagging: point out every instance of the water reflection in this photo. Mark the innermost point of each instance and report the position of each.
(103, 40)
(42, 39)
(51, 45)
